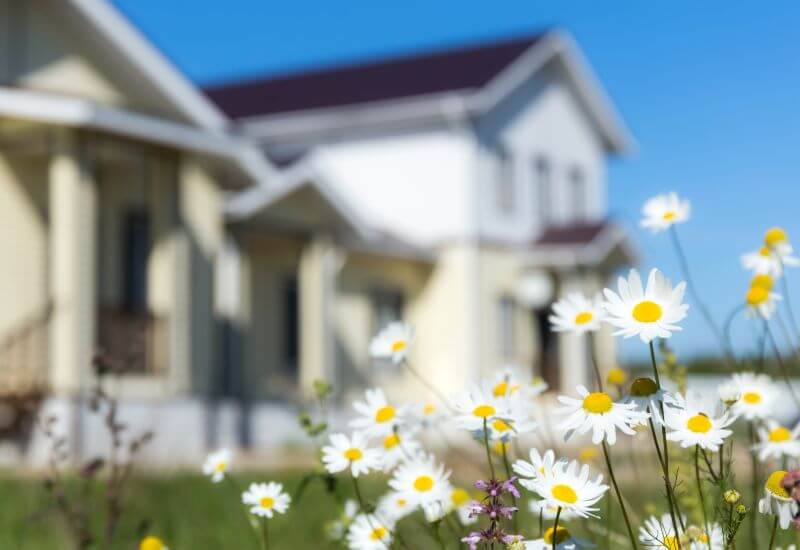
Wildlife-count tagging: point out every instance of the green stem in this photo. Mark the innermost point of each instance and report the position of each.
(488, 450)
(774, 531)
(754, 474)
(619, 495)
(555, 528)
(700, 488)
(593, 358)
(508, 476)
(670, 504)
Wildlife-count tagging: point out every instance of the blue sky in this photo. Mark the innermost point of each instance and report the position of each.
(709, 89)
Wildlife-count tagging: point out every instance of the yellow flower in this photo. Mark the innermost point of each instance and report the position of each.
(152, 543)
(617, 376)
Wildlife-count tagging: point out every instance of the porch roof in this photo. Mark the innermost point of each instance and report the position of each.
(582, 244)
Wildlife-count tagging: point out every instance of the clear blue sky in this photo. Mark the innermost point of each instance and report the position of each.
(710, 89)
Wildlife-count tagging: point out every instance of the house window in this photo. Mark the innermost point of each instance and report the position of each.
(543, 191)
(387, 307)
(135, 253)
(504, 182)
(291, 324)
(506, 327)
(577, 186)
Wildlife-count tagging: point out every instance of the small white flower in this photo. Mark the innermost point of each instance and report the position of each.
(775, 238)
(513, 423)
(536, 467)
(597, 412)
(478, 406)
(761, 302)
(647, 397)
(421, 481)
(394, 506)
(713, 541)
(427, 414)
(577, 313)
(535, 388)
(766, 261)
(265, 499)
(549, 512)
(460, 502)
(569, 488)
(377, 417)
(350, 453)
(393, 342)
(663, 211)
(650, 312)
(729, 393)
(507, 382)
(369, 532)
(759, 395)
(776, 500)
(398, 446)
(659, 533)
(217, 464)
(563, 539)
(338, 527)
(693, 421)
(776, 441)
(434, 511)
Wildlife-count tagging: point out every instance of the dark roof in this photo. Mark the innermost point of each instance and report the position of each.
(456, 69)
(575, 234)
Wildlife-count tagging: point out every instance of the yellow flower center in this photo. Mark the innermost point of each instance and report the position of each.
(597, 403)
(557, 535)
(483, 411)
(775, 235)
(220, 467)
(378, 533)
(423, 484)
(391, 441)
(564, 493)
(583, 317)
(699, 424)
(587, 454)
(757, 295)
(151, 543)
(384, 414)
(671, 542)
(751, 398)
(765, 251)
(459, 497)
(501, 426)
(780, 434)
(500, 389)
(399, 345)
(401, 502)
(647, 312)
(774, 484)
(617, 376)
(267, 502)
(762, 281)
(428, 409)
(353, 454)
(643, 387)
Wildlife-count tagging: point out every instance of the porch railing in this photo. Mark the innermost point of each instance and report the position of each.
(24, 356)
(136, 342)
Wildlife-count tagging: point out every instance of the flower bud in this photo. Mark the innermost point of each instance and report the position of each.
(731, 496)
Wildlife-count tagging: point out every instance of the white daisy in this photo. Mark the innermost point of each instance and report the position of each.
(647, 312)
(351, 453)
(729, 393)
(693, 421)
(507, 382)
(434, 511)
(399, 445)
(768, 262)
(776, 501)
(776, 239)
(644, 393)
(577, 313)
(377, 416)
(393, 342)
(536, 467)
(393, 507)
(459, 502)
(548, 512)
(761, 302)
(513, 423)
(421, 481)
(776, 441)
(569, 488)
(369, 532)
(597, 412)
(659, 533)
(535, 388)
(663, 211)
(217, 464)
(427, 414)
(478, 406)
(701, 540)
(265, 499)
(759, 395)
(337, 528)
(563, 539)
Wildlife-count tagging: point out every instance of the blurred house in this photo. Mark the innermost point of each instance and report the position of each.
(224, 248)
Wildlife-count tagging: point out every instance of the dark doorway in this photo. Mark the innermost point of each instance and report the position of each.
(291, 327)
(547, 361)
(135, 254)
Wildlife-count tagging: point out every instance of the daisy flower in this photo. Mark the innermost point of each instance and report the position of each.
(377, 416)
(427, 414)
(217, 464)
(513, 423)
(397, 447)
(761, 302)
(393, 507)
(659, 533)
(692, 421)
(507, 382)
(616, 376)
(265, 499)
(577, 313)
(350, 453)
(537, 506)
(768, 261)
(729, 393)
(705, 541)
(369, 532)
(393, 342)
(775, 238)
(561, 536)
(597, 412)
(536, 467)
(478, 405)
(644, 393)
(569, 488)
(776, 441)
(663, 211)
(776, 501)
(535, 388)
(460, 501)
(338, 527)
(758, 395)
(421, 481)
(647, 312)
(152, 543)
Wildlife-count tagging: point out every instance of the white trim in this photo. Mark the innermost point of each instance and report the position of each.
(587, 254)
(146, 59)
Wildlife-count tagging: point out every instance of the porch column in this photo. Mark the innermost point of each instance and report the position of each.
(317, 279)
(573, 349)
(73, 263)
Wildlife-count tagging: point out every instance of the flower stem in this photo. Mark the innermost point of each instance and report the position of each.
(264, 533)
(619, 495)
(774, 530)
(555, 528)
(754, 475)
(671, 505)
(700, 489)
(593, 359)
(486, 445)
(427, 384)
(508, 476)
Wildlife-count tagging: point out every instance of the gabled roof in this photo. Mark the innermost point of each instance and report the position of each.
(466, 68)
